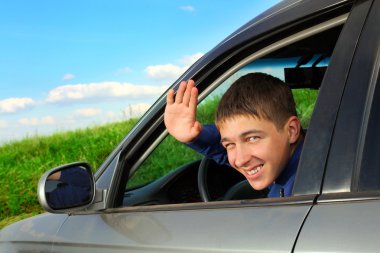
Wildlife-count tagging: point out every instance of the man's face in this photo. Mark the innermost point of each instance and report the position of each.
(256, 148)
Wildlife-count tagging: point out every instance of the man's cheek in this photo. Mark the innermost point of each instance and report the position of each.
(231, 159)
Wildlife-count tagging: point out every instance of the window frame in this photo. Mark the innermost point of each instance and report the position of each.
(315, 164)
(346, 155)
(151, 130)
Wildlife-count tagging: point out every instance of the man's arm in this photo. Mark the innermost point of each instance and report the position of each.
(208, 144)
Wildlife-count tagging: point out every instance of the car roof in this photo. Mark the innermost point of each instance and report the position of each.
(284, 12)
(281, 7)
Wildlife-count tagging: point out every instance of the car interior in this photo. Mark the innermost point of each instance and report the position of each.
(301, 65)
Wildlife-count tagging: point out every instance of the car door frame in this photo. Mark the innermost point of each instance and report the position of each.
(345, 157)
(319, 145)
(345, 218)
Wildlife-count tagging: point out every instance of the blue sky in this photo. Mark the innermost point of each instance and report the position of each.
(73, 64)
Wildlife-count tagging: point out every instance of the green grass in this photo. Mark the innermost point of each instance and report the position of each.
(305, 100)
(23, 162)
(154, 166)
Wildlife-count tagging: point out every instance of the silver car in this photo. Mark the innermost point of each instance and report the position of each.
(329, 46)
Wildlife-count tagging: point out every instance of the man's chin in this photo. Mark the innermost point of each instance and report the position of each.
(258, 186)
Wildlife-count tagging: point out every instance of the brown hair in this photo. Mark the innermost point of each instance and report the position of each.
(257, 95)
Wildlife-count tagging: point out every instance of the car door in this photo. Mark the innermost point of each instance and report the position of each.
(346, 217)
(259, 225)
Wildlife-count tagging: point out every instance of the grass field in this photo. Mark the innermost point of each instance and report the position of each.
(23, 162)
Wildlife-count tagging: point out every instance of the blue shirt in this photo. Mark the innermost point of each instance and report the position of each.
(283, 186)
(208, 144)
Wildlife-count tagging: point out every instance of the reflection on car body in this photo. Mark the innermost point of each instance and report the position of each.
(328, 49)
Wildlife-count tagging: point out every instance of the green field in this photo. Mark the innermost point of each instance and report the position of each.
(23, 162)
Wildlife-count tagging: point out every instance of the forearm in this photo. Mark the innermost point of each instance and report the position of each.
(208, 144)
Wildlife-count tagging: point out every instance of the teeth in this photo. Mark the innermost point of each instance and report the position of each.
(254, 171)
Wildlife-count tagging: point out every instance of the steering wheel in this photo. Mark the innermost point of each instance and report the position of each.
(241, 190)
(202, 179)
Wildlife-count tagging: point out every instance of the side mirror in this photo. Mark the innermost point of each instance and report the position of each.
(67, 188)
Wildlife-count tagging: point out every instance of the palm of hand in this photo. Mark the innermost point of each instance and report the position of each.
(180, 113)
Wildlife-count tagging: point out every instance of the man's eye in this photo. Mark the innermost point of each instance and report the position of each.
(228, 145)
(253, 138)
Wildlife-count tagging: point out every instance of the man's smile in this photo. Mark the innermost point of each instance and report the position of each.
(254, 170)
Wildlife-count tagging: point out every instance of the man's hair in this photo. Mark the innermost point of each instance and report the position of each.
(260, 96)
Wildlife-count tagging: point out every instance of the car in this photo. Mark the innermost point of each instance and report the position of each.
(329, 48)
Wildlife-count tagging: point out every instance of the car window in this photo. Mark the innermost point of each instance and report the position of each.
(301, 64)
(154, 166)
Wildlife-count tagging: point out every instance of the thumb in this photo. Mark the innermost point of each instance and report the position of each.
(198, 127)
(195, 130)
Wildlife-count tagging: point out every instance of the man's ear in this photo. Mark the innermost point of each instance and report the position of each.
(294, 129)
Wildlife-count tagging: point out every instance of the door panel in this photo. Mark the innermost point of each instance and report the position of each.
(232, 229)
(342, 227)
(35, 234)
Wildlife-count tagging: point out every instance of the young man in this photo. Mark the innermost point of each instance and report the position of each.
(256, 126)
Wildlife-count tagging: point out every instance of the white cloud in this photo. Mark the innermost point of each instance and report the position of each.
(3, 124)
(170, 72)
(188, 60)
(68, 76)
(12, 105)
(188, 8)
(163, 72)
(111, 115)
(79, 92)
(48, 120)
(135, 110)
(87, 112)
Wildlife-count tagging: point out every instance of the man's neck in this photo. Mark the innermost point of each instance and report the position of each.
(294, 146)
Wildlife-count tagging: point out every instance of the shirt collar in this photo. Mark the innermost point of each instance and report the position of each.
(291, 167)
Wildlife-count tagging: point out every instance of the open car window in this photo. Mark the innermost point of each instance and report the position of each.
(301, 65)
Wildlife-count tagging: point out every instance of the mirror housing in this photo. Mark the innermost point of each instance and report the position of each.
(67, 188)
(305, 77)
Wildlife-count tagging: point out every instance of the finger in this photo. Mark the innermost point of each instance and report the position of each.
(193, 98)
(180, 91)
(187, 95)
(170, 97)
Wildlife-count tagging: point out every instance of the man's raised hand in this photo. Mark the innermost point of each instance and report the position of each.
(180, 112)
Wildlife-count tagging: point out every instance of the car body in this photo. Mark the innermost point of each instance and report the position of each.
(335, 205)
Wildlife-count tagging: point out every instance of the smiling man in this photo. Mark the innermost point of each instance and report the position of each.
(257, 130)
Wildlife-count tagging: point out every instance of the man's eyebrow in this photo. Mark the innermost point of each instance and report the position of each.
(250, 132)
(224, 140)
(242, 135)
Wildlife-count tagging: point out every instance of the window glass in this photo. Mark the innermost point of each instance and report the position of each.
(302, 65)
(155, 167)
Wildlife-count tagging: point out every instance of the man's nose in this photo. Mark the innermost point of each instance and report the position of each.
(243, 156)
